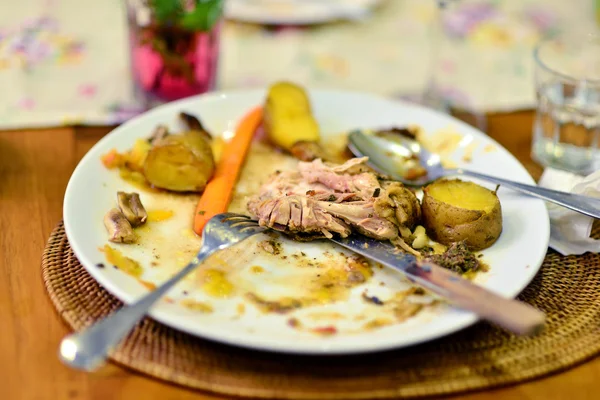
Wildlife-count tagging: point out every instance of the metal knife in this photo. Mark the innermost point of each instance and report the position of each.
(513, 315)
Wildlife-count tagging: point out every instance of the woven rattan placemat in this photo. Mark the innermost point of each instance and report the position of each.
(566, 288)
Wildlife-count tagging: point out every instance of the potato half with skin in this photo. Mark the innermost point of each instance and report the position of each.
(180, 163)
(455, 210)
(287, 116)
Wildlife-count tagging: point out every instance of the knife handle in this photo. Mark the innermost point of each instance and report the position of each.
(511, 314)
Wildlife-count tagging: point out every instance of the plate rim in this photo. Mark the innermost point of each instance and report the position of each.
(464, 319)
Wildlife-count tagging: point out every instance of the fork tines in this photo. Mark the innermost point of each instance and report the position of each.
(240, 222)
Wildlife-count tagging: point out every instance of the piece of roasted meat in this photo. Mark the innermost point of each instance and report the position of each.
(320, 199)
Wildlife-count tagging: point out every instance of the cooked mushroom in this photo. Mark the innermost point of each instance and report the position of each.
(159, 134)
(119, 229)
(132, 208)
(194, 124)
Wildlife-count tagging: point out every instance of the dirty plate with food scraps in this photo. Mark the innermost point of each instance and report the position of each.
(272, 293)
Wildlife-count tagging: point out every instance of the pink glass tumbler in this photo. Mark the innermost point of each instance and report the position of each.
(169, 63)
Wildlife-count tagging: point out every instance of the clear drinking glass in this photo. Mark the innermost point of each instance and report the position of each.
(170, 57)
(566, 130)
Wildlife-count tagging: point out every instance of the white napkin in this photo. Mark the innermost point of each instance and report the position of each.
(570, 230)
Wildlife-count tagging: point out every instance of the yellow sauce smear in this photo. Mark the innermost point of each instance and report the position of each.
(469, 150)
(489, 148)
(188, 233)
(444, 143)
(159, 215)
(470, 275)
(148, 285)
(197, 305)
(214, 282)
(125, 264)
(241, 308)
(328, 315)
(377, 323)
(136, 179)
(257, 269)
(334, 283)
(329, 284)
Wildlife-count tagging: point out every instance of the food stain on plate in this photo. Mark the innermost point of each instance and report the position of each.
(125, 264)
(489, 148)
(257, 269)
(444, 142)
(469, 150)
(215, 283)
(159, 215)
(197, 305)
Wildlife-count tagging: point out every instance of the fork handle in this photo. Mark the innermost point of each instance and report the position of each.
(88, 349)
(583, 204)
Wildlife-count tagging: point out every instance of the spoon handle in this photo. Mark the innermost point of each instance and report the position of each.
(583, 204)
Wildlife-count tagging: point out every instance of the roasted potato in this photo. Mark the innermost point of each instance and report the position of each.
(455, 211)
(287, 116)
(180, 163)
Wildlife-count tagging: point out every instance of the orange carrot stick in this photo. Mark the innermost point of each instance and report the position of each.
(219, 190)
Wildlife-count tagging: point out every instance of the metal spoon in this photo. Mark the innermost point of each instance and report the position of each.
(386, 152)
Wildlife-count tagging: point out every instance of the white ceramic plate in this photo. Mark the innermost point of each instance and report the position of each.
(297, 12)
(514, 259)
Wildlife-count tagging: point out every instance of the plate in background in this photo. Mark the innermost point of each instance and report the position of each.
(297, 12)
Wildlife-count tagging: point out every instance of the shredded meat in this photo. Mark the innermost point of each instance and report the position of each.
(321, 199)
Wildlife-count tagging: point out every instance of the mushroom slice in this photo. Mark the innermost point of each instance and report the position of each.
(194, 124)
(132, 208)
(119, 229)
(159, 134)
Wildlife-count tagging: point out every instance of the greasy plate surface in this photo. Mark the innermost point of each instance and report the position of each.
(213, 303)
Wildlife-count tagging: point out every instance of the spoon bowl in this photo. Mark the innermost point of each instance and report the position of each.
(404, 159)
(395, 154)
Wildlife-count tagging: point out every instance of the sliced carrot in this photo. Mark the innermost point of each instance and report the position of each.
(219, 190)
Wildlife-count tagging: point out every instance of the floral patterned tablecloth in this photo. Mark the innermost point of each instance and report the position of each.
(66, 61)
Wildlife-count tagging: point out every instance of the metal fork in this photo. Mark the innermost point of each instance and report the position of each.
(87, 350)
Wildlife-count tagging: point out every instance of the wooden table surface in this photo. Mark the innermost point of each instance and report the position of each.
(35, 166)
